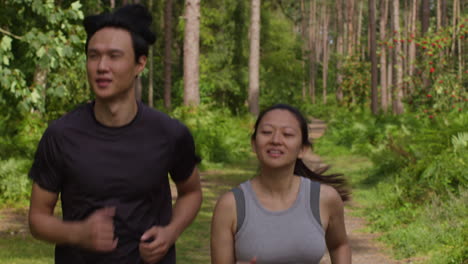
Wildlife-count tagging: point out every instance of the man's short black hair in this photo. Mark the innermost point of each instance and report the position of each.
(134, 18)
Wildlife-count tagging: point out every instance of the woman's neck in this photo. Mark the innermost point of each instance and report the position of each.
(276, 181)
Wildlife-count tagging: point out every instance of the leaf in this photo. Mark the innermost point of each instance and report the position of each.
(40, 52)
(35, 96)
(6, 43)
(60, 51)
(6, 61)
(76, 6)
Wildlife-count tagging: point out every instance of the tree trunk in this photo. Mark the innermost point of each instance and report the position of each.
(454, 27)
(444, 12)
(425, 20)
(138, 88)
(254, 59)
(425, 16)
(350, 26)
(390, 82)
(383, 55)
(339, 50)
(191, 53)
(373, 56)
(439, 15)
(357, 40)
(325, 52)
(40, 84)
(312, 49)
(138, 84)
(460, 51)
(405, 43)
(167, 53)
(151, 66)
(304, 48)
(412, 44)
(398, 92)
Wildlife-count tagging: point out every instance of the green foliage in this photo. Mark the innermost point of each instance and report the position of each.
(281, 70)
(447, 91)
(224, 47)
(219, 136)
(416, 191)
(14, 183)
(356, 82)
(49, 46)
(418, 152)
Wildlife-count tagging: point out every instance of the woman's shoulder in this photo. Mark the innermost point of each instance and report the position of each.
(225, 213)
(227, 200)
(329, 195)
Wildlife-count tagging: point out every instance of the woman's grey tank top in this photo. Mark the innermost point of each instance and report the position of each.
(294, 235)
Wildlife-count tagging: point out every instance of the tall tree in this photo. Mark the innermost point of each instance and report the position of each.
(340, 32)
(398, 92)
(357, 38)
(444, 12)
(304, 46)
(151, 66)
(326, 18)
(425, 23)
(439, 14)
(191, 52)
(40, 84)
(390, 73)
(425, 16)
(383, 55)
(254, 59)
(457, 15)
(373, 56)
(412, 44)
(138, 83)
(350, 5)
(312, 49)
(167, 53)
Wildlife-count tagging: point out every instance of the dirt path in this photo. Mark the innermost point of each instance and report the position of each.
(365, 248)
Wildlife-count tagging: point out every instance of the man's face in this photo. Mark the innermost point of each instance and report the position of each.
(111, 63)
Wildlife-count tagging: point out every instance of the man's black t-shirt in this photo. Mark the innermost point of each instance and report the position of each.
(93, 166)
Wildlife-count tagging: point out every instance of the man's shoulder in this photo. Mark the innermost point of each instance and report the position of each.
(162, 120)
(74, 117)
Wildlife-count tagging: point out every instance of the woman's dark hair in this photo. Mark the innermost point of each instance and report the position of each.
(336, 180)
(134, 18)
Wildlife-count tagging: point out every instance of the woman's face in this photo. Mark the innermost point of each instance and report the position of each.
(278, 142)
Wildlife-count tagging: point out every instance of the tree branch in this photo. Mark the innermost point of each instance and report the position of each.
(9, 33)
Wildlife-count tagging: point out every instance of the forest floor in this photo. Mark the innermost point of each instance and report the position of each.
(17, 246)
(364, 245)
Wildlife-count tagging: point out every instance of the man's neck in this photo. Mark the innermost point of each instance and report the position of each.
(115, 113)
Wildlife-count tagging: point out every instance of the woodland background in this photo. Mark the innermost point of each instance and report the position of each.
(389, 77)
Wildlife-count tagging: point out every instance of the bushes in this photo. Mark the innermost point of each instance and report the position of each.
(14, 183)
(416, 192)
(219, 136)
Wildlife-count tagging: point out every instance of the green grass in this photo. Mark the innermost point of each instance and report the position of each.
(431, 231)
(194, 244)
(23, 249)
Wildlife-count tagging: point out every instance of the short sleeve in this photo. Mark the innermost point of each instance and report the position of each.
(45, 170)
(184, 157)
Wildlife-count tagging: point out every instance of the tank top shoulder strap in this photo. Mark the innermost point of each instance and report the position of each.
(315, 200)
(240, 206)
